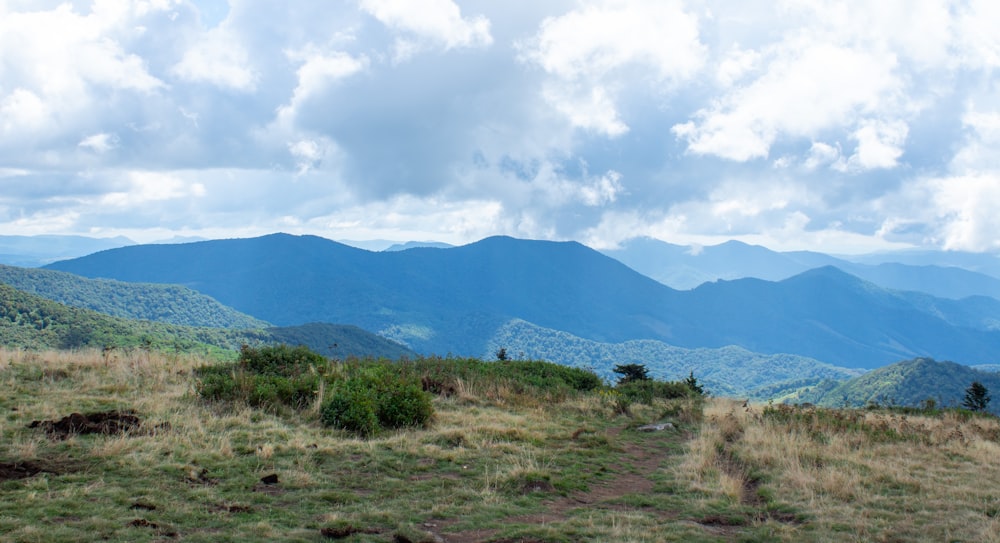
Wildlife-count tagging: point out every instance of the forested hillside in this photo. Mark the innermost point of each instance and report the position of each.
(907, 383)
(171, 304)
(726, 371)
(32, 322)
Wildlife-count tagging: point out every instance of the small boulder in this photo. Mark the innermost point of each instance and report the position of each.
(656, 427)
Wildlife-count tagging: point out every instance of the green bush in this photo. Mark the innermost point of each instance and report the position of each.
(353, 408)
(377, 398)
(267, 377)
(282, 360)
(646, 391)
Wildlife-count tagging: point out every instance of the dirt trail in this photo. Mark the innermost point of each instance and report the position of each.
(633, 473)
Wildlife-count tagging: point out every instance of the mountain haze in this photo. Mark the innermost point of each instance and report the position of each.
(31, 251)
(686, 267)
(454, 300)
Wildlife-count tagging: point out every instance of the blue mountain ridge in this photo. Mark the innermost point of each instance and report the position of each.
(454, 300)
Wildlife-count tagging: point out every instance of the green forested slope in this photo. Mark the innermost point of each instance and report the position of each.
(726, 371)
(907, 383)
(32, 322)
(171, 304)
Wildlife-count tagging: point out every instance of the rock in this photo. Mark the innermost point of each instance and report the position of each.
(656, 427)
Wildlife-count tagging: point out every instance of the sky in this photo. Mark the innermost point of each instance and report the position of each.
(838, 126)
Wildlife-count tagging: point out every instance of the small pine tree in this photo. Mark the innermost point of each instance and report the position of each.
(631, 372)
(694, 385)
(977, 397)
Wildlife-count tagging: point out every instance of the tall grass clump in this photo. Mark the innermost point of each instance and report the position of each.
(512, 381)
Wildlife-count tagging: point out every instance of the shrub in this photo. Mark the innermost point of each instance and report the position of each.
(374, 399)
(351, 407)
(282, 360)
(646, 391)
(268, 377)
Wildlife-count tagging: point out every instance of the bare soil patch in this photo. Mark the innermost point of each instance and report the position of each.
(103, 423)
(20, 470)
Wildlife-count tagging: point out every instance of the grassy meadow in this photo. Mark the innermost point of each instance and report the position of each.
(498, 462)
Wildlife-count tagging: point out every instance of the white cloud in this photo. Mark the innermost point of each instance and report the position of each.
(736, 65)
(801, 93)
(603, 190)
(218, 58)
(602, 36)
(268, 112)
(588, 108)
(57, 64)
(824, 154)
(438, 21)
(976, 33)
(144, 187)
(981, 149)
(99, 143)
(879, 144)
(309, 153)
(23, 112)
(967, 210)
(317, 71)
(587, 51)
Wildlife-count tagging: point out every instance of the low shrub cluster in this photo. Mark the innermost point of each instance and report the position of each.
(272, 377)
(363, 397)
(376, 398)
(646, 391)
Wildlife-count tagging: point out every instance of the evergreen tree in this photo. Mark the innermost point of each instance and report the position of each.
(977, 397)
(631, 372)
(694, 385)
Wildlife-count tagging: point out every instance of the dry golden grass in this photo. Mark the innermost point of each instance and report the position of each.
(855, 475)
(738, 474)
(469, 474)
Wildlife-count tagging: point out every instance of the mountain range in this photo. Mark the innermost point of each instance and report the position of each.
(954, 275)
(439, 300)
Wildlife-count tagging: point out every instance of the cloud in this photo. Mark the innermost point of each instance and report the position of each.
(218, 58)
(827, 122)
(141, 188)
(317, 71)
(802, 92)
(99, 143)
(879, 144)
(603, 36)
(434, 21)
(589, 51)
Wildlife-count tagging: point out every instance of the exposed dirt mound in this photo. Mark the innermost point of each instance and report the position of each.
(20, 470)
(104, 423)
